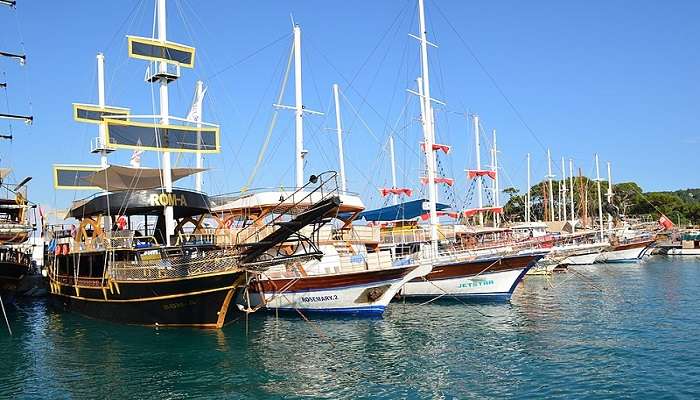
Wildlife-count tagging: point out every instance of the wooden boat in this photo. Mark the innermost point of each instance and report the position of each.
(626, 251)
(142, 252)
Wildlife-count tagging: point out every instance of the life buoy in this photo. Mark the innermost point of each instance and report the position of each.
(121, 222)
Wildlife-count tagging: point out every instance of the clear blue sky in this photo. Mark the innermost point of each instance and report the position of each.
(615, 77)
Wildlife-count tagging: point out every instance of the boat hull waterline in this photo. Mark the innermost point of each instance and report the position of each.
(492, 279)
(201, 301)
(365, 293)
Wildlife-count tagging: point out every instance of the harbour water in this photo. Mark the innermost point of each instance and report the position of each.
(607, 331)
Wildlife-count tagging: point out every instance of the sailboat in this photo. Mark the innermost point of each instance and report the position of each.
(471, 273)
(141, 252)
(353, 276)
(15, 225)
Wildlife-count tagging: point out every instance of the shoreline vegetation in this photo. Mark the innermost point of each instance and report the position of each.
(681, 206)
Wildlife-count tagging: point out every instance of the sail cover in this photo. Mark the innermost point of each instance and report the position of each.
(402, 211)
(117, 177)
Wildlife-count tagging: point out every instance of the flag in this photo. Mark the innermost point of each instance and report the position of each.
(136, 156)
(195, 114)
(665, 222)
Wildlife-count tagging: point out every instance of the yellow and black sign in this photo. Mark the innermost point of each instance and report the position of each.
(74, 177)
(94, 114)
(159, 137)
(156, 50)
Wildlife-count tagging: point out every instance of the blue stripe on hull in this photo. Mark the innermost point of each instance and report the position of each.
(499, 297)
(622, 260)
(369, 311)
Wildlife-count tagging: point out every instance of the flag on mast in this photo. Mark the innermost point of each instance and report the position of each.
(195, 114)
(136, 156)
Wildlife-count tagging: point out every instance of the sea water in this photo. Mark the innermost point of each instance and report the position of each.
(601, 331)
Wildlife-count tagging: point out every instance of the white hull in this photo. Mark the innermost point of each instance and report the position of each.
(351, 299)
(496, 285)
(684, 252)
(627, 255)
(581, 259)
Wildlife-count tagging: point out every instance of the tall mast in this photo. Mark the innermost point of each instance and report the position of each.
(164, 113)
(428, 133)
(298, 110)
(529, 198)
(479, 197)
(339, 128)
(199, 157)
(101, 103)
(496, 194)
(563, 189)
(551, 192)
(394, 199)
(600, 198)
(571, 190)
(610, 198)
(419, 83)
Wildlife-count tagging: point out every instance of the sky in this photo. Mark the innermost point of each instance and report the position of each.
(610, 77)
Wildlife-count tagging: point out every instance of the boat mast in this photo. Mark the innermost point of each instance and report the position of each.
(428, 133)
(394, 199)
(479, 197)
(600, 198)
(571, 192)
(563, 189)
(610, 198)
(164, 113)
(496, 196)
(101, 102)
(551, 191)
(298, 110)
(341, 160)
(199, 157)
(528, 204)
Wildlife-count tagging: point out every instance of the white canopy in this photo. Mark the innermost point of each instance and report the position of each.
(117, 177)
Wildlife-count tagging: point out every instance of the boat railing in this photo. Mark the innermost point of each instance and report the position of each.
(179, 266)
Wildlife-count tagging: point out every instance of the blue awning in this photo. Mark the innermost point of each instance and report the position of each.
(403, 211)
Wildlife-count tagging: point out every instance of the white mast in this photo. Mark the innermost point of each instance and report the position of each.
(393, 168)
(341, 159)
(419, 82)
(299, 110)
(429, 135)
(199, 160)
(600, 200)
(480, 200)
(610, 197)
(101, 103)
(528, 204)
(571, 189)
(496, 195)
(563, 189)
(164, 112)
(551, 188)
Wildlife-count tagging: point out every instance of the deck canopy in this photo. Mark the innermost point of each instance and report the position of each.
(266, 200)
(400, 212)
(157, 50)
(114, 177)
(117, 177)
(94, 114)
(185, 203)
(159, 137)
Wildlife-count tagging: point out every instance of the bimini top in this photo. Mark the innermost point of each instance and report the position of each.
(263, 200)
(185, 203)
(400, 212)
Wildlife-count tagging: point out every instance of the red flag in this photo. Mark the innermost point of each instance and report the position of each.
(665, 222)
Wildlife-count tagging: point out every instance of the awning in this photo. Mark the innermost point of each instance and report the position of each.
(117, 177)
(403, 211)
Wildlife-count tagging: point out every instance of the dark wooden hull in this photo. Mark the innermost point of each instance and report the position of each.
(11, 275)
(200, 301)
